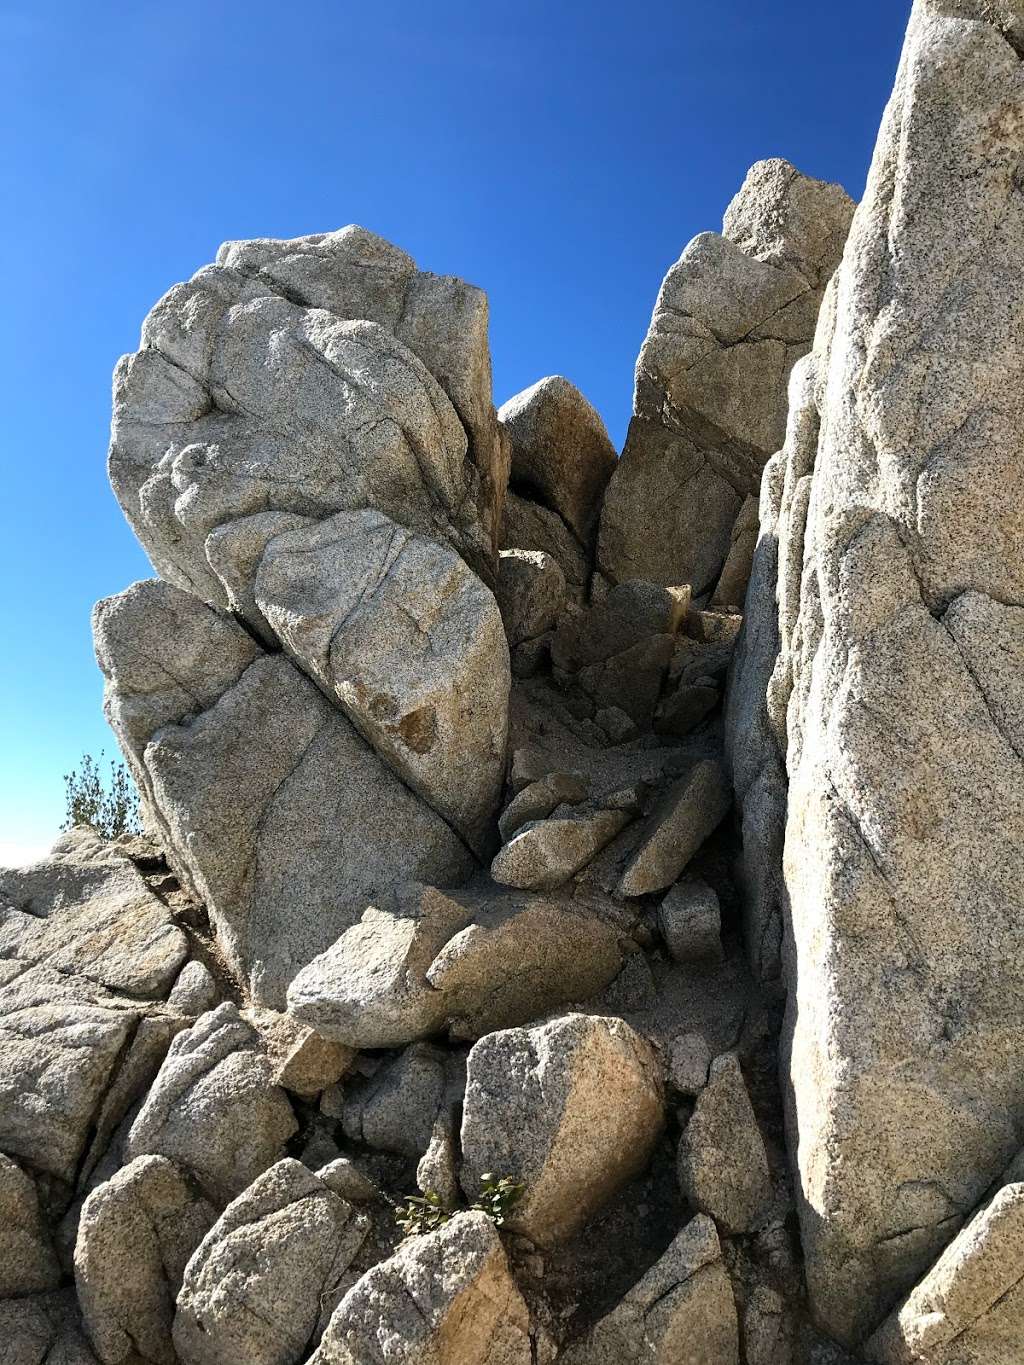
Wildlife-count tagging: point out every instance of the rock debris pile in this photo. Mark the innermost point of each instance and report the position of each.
(661, 935)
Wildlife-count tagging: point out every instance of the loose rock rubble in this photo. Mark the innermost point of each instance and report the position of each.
(578, 915)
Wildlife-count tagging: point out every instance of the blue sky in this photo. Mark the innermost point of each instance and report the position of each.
(559, 154)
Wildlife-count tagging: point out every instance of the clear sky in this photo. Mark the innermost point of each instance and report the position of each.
(559, 153)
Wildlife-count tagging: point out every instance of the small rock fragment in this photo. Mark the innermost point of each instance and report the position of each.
(691, 810)
(546, 853)
(689, 1063)
(722, 1164)
(538, 799)
(691, 923)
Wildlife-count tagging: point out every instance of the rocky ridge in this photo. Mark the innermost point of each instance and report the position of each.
(497, 830)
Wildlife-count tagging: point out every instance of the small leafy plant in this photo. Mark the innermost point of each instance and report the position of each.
(420, 1214)
(112, 808)
(497, 1197)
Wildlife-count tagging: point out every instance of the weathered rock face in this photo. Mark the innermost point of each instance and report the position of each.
(571, 1110)
(253, 1291)
(896, 694)
(444, 1299)
(244, 784)
(968, 1309)
(307, 377)
(733, 315)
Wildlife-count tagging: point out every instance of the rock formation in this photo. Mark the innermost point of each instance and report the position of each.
(879, 682)
(578, 914)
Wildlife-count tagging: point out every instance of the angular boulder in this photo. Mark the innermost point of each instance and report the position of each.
(370, 989)
(691, 922)
(409, 642)
(682, 1310)
(570, 1109)
(136, 1234)
(733, 315)
(722, 1164)
(687, 814)
(530, 592)
(560, 451)
(244, 784)
(253, 1292)
(519, 958)
(528, 525)
(214, 1108)
(447, 1298)
(544, 854)
(85, 910)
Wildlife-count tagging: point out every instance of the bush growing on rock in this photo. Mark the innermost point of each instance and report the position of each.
(110, 807)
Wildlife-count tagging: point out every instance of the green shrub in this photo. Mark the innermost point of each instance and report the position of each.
(111, 808)
(420, 1214)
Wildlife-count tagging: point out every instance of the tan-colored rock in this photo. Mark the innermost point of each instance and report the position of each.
(309, 377)
(690, 811)
(247, 795)
(571, 1109)
(560, 448)
(969, 1308)
(522, 956)
(682, 1310)
(544, 854)
(85, 910)
(538, 799)
(303, 1061)
(253, 1292)
(136, 1234)
(690, 921)
(530, 526)
(722, 1165)
(444, 1299)
(731, 588)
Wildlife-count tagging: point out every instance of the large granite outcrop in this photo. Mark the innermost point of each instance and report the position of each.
(733, 315)
(895, 697)
(273, 807)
